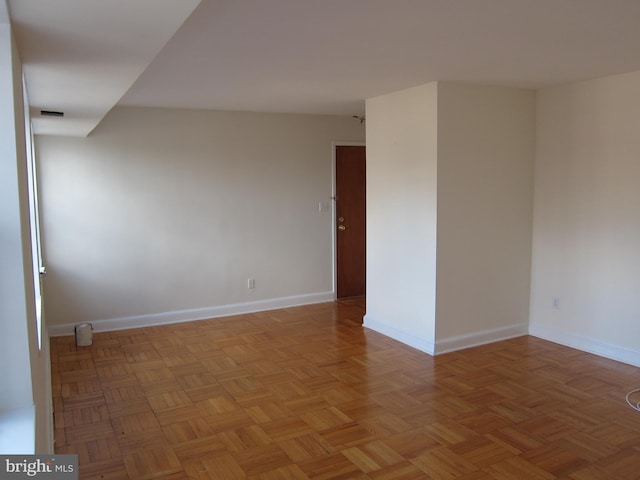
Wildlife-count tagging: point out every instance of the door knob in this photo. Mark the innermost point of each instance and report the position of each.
(341, 219)
(342, 227)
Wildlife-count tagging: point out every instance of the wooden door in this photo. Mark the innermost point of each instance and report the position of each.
(351, 221)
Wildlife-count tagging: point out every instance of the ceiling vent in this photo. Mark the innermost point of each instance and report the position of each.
(51, 113)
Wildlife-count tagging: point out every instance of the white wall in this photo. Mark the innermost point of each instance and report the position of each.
(486, 139)
(401, 214)
(25, 415)
(586, 217)
(14, 300)
(161, 212)
(449, 210)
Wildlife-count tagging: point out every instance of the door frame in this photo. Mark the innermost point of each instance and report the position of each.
(334, 229)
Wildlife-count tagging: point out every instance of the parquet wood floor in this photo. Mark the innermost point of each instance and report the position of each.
(308, 393)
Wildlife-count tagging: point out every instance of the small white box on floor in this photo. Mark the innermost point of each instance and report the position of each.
(84, 334)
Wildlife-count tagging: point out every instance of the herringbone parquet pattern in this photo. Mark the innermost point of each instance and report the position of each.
(307, 392)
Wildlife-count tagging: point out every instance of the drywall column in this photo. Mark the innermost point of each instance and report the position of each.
(401, 215)
(486, 139)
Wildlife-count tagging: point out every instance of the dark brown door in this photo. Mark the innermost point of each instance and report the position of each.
(351, 220)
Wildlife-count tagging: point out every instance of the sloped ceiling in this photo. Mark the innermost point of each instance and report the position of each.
(304, 56)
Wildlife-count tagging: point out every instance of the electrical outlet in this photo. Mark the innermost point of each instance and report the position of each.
(251, 283)
(556, 303)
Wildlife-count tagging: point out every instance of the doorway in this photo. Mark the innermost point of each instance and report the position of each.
(350, 178)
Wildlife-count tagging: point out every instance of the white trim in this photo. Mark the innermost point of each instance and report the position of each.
(438, 347)
(590, 345)
(138, 321)
(483, 337)
(334, 246)
(423, 344)
(46, 424)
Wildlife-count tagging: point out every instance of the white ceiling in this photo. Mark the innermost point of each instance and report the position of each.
(81, 56)
(310, 56)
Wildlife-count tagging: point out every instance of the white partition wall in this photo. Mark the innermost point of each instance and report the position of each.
(486, 140)
(450, 181)
(401, 215)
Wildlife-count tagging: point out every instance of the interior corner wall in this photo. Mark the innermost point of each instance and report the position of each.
(586, 221)
(486, 141)
(401, 215)
(164, 214)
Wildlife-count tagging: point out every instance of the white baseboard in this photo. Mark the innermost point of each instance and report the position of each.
(138, 321)
(590, 345)
(423, 344)
(451, 344)
(460, 342)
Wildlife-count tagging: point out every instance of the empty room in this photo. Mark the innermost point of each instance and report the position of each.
(284, 239)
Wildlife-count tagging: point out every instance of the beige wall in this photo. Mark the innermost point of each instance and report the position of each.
(587, 221)
(485, 205)
(163, 214)
(401, 214)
